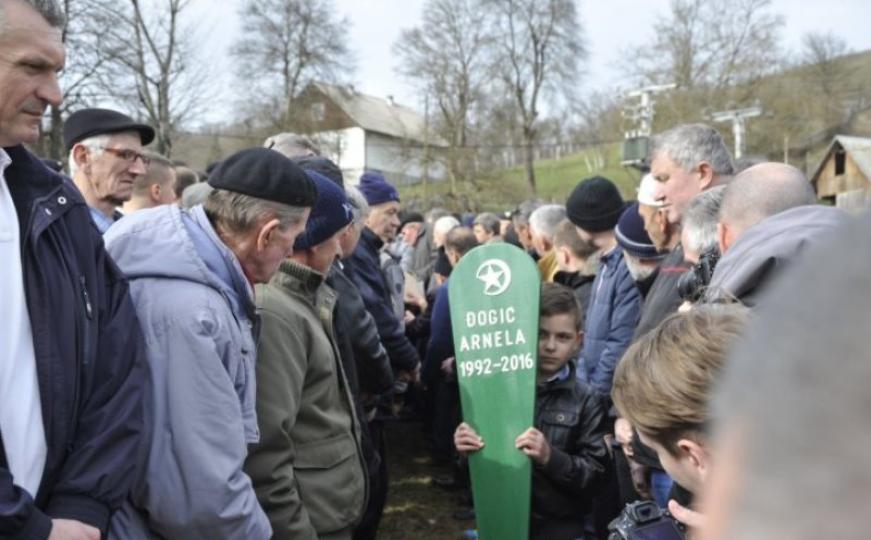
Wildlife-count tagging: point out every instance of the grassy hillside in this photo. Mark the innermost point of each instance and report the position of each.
(503, 190)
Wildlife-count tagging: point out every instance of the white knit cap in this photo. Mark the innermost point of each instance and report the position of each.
(650, 192)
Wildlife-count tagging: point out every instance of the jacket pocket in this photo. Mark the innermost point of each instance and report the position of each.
(557, 426)
(331, 482)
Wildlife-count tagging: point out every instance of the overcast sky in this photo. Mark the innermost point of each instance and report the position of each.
(609, 26)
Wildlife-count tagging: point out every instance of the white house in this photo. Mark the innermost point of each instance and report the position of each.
(361, 132)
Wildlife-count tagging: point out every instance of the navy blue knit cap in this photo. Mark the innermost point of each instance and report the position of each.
(375, 188)
(330, 213)
(633, 237)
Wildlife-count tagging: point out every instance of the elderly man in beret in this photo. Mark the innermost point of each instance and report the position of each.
(106, 159)
(191, 276)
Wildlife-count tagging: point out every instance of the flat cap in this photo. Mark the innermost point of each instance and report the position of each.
(87, 123)
(265, 174)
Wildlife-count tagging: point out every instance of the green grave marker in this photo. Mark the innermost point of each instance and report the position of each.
(494, 296)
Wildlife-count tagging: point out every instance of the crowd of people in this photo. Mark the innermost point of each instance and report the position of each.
(216, 355)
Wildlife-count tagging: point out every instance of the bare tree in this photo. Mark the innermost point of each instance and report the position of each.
(821, 54)
(445, 58)
(710, 43)
(148, 61)
(538, 50)
(286, 44)
(78, 79)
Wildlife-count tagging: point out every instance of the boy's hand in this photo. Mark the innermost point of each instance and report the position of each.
(69, 529)
(532, 443)
(623, 434)
(466, 440)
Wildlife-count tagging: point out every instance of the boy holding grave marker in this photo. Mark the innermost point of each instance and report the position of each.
(567, 444)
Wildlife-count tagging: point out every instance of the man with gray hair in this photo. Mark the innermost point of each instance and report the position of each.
(292, 145)
(767, 220)
(487, 228)
(106, 159)
(687, 160)
(520, 221)
(192, 274)
(699, 227)
(155, 187)
(71, 350)
(543, 223)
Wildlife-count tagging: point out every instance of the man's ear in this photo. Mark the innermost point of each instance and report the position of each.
(562, 256)
(662, 221)
(706, 175)
(154, 192)
(722, 237)
(266, 233)
(81, 156)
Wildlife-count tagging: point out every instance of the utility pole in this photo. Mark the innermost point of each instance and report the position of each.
(426, 147)
(641, 112)
(738, 118)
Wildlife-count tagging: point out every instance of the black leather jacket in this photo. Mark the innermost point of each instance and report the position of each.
(573, 419)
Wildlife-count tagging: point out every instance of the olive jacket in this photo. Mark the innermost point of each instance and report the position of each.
(308, 469)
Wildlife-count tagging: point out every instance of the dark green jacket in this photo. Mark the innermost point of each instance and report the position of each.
(307, 470)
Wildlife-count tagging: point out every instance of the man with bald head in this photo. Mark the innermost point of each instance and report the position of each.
(757, 193)
(767, 220)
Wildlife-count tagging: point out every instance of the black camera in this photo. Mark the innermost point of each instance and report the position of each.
(644, 520)
(692, 284)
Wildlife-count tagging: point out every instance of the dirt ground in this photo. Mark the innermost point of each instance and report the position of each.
(416, 509)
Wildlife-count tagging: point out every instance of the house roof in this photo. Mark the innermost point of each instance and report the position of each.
(379, 115)
(858, 148)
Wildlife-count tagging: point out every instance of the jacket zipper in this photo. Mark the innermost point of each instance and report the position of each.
(86, 346)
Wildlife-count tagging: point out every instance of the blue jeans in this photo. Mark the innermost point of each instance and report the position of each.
(660, 486)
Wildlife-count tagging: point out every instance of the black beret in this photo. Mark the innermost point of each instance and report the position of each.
(265, 174)
(88, 123)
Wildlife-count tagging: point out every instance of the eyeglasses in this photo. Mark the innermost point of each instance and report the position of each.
(127, 155)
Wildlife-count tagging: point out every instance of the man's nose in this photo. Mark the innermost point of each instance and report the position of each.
(50, 91)
(138, 167)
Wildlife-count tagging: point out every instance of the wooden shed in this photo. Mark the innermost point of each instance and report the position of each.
(843, 177)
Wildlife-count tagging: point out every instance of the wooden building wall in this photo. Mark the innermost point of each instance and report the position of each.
(829, 184)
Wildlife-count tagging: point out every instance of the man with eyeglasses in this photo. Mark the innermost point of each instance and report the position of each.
(105, 159)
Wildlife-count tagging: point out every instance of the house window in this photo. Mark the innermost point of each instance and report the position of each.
(840, 162)
(318, 112)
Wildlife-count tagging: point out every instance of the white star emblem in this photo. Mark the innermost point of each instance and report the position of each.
(495, 275)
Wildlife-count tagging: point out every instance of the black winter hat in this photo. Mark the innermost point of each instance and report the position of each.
(88, 123)
(410, 217)
(595, 205)
(265, 174)
(322, 166)
(329, 214)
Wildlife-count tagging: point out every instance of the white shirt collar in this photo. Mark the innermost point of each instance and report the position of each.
(5, 161)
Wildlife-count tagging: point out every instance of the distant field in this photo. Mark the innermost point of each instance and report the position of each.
(503, 190)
